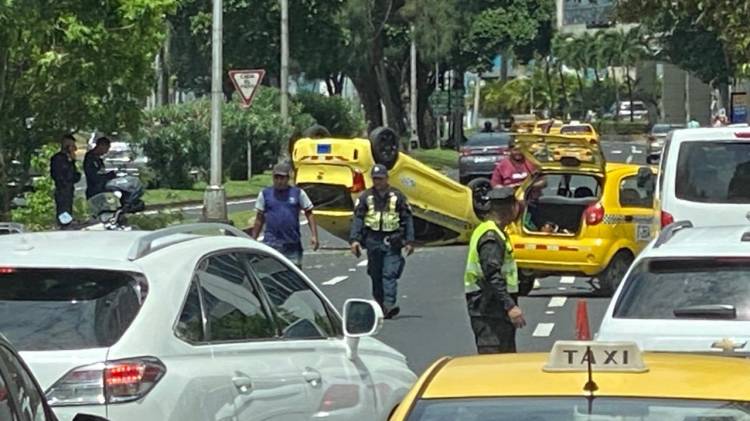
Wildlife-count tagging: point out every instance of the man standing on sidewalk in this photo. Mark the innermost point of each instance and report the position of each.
(383, 223)
(278, 208)
(65, 175)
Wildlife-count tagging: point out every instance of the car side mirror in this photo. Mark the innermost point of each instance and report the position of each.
(361, 318)
(88, 417)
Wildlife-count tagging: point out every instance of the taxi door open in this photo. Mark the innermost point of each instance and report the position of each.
(636, 200)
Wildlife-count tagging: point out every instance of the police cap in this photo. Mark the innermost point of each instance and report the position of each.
(379, 171)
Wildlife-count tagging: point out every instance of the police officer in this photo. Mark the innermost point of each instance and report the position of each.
(491, 278)
(65, 175)
(383, 223)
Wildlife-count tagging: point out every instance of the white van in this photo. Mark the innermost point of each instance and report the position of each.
(704, 177)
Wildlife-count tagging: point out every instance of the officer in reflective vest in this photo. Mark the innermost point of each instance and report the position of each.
(491, 278)
(383, 223)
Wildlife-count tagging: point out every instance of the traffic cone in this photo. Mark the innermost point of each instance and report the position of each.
(583, 332)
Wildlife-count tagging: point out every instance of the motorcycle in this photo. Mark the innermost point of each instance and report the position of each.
(122, 196)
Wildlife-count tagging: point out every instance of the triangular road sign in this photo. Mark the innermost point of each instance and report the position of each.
(246, 82)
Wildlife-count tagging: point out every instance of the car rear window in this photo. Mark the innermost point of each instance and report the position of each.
(575, 129)
(686, 289)
(713, 172)
(578, 408)
(489, 139)
(64, 309)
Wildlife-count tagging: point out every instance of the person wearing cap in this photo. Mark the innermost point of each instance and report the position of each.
(383, 224)
(491, 278)
(278, 208)
(512, 170)
(65, 175)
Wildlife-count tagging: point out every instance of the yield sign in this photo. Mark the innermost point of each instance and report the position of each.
(246, 82)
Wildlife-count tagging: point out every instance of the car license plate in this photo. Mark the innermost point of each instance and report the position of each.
(324, 148)
(484, 159)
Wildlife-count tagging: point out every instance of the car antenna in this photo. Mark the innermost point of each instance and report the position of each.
(590, 385)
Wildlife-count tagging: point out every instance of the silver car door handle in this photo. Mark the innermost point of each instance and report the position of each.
(243, 384)
(312, 376)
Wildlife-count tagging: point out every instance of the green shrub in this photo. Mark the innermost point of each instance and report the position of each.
(176, 138)
(339, 115)
(622, 127)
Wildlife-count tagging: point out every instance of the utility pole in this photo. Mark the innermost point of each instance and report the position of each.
(284, 153)
(413, 96)
(437, 116)
(215, 201)
(477, 87)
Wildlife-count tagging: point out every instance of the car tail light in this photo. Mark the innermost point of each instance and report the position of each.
(7, 271)
(110, 382)
(742, 135)
(340, 396)
(594, 214)
(666, 218)
(358, 182)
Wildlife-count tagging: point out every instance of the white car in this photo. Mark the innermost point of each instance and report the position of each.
(170, 325)
(689, 290)
(704, 177)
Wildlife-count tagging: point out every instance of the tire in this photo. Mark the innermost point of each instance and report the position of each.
(525, 283)
(479, 188)
(384, 143)
(611, 277)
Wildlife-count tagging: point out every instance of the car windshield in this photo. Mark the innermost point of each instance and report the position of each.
(713, 172)
(489, 139)
(687, 289)
(577, 408)
(84, 308)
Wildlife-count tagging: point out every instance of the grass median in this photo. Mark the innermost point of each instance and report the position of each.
(234, 190)
(439, 159)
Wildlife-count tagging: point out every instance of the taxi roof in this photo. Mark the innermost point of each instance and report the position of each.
(547, 151)
(678, 376)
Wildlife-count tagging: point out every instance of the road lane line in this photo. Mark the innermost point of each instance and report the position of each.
(561, 288)
(352, 269)
(567, 279)
(557, 301)
(629, 160)
(616, 152)
(362, 263)
(336, 280)
(543, 330)
(550, 312)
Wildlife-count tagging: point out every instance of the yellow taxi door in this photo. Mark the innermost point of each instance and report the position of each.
(636, 213)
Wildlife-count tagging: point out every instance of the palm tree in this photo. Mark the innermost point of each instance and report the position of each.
(632, 51)
(608, 54)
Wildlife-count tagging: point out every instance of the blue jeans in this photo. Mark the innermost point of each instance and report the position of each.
(384, 265)
(293, 252)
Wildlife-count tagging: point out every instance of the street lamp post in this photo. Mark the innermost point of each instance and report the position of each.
(215, 201)
(414, 139)
(284, 152)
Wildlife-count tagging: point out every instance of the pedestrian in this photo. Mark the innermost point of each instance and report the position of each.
(514, 169)
(383, 224)
(278, 208)
(93, 167)
(487, 127)
(491, 278)
(65, 175)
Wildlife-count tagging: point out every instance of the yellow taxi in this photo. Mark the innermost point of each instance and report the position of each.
(552, 126)
(523, 123)
(584, 130)
(581, 216)
(592, 381)
(334, 172)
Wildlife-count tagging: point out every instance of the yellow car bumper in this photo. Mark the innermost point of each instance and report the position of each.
(556, 255)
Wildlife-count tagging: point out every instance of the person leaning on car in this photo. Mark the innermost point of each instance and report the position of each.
(512, 170)
(65, 175)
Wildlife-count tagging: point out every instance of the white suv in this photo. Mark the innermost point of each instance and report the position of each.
(705, 177)
(170, 325)
(689, 290)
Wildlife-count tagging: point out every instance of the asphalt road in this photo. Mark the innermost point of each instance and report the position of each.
(433, 321)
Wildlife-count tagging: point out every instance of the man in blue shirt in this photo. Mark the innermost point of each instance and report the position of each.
(278, 208)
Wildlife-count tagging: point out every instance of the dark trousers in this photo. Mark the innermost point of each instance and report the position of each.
(384, 265)
(494, 333)
(63, 202)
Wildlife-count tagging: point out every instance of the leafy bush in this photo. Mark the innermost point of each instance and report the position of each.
(176, 137)
(622, 127)
(339, 115)
(154, 221)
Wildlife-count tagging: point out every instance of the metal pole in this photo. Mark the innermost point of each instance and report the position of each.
(413, 96)
(477, 87)
(437, 116)
(284, 153)
(687, 97)
(214, 202)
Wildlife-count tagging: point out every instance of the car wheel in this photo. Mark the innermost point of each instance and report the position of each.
(479, 189)
(385, 146)
(611, 277)
(525, 283)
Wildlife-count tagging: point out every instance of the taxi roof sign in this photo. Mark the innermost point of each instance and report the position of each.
(578, 356)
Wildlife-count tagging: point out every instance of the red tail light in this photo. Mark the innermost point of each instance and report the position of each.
(666, 218)
(7, 271)
(594, 214)
(742, 135)
(358, 182)
(340, 396)
(111, 382)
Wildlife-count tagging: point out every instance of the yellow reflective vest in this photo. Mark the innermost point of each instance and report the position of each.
(474, 268)
(387, 220)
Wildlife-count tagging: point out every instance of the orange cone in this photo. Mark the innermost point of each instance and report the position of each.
(583, 332)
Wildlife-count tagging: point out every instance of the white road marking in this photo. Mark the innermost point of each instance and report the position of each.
(629, 160)
(557, 301)
(561, 288)
(362, 263)
(336, 280)
(352, 269)
(549, 312)
(567, 279)
(543, 329)
(616, 152)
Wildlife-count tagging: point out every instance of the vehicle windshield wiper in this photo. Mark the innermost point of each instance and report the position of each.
(709, 311)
